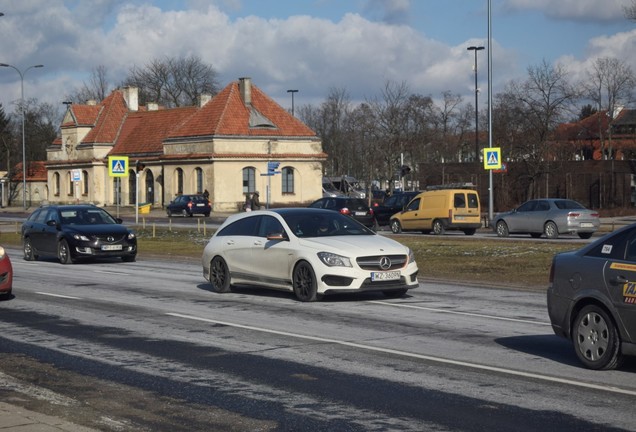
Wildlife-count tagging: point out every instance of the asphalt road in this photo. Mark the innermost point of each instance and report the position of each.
(147, 346)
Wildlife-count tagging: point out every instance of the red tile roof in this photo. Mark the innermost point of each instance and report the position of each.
(226, 114)
(109, 120)
(83, 115)
(36, 171)
(144, 132)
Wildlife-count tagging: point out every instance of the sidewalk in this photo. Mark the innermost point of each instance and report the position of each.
(17, 419)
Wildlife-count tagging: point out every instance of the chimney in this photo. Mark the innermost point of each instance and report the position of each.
(153, 106)
(131, 96)
(91, 102)
(245, 89)
(204, 98)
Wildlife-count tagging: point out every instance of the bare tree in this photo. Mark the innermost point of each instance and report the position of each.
(630, 11)
(610, 85)
(173, 82)
(97, 87)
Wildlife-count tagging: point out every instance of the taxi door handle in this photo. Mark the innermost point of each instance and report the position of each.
(620, 280)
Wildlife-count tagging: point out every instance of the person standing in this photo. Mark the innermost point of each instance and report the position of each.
(256, 204)
(247, 206)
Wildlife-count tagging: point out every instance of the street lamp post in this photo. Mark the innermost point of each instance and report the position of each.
(476, 48)
(24, 170)
(292, 93)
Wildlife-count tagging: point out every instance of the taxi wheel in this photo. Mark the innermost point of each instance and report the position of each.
(304, 282)
(219, 275)
(596, 340)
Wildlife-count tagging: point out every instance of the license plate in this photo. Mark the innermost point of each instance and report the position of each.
(360, 213)
(586, 225)
(200, 205)
(382, 276)
(111, 247)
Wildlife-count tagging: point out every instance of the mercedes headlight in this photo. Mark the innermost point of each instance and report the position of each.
(334, 260)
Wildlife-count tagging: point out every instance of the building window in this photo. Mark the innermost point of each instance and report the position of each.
(288, 180)
(179, 179)
(71, 186)
(249, 180)
(56, 184)
(132, 187)
(199, 178)
(84, 182)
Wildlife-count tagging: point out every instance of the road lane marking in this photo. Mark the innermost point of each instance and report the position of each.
(460, 363)
(113, 272)
(58, 295)
(459, 313)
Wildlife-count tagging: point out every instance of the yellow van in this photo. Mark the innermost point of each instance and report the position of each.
(440, 210)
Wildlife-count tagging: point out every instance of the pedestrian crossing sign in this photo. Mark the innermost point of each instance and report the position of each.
(492, 158)
(118, 166)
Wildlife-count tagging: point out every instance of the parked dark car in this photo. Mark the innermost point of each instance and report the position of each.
(592, 299)
(392, 204)
(357, 208)
(188, 205)
(74, 232)
(549, 216)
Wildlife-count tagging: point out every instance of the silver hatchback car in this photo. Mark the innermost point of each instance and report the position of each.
(549, 216)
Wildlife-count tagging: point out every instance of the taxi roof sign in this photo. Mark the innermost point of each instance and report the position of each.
(492, 158)
(118, 166)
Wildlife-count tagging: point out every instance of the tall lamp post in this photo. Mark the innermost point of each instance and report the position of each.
(476, 48)
(24, 170)
(292, 93)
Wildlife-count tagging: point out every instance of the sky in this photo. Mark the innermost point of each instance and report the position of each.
(312, 46)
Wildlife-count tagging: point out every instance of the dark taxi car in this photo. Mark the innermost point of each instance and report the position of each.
(356, 208)
(592, 299)
(392, 205)
(188, 205)
(74, 232)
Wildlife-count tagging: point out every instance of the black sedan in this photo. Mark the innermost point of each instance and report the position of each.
(74, 232)
(592, 299)
(356, 208)
(392, 204)
(188, 205)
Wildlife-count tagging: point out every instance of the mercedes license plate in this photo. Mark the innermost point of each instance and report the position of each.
(111, 247)
(382, 276)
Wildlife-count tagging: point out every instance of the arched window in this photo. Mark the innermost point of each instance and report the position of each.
(288, 180)
(71, 186)
(198, 173)
(56, 184)
(249, 180)
(179, 180)
(132, 187)
(84, 182)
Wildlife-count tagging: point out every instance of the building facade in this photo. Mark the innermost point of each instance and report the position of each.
(223, 145)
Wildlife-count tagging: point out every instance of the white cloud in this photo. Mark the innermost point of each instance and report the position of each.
(576, 10)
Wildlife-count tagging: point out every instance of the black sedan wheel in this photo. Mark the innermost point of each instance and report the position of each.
(304, 282)
(29, 253)
(396, 228)
(219, 275)
(502, 229)
(596, 339)
(64, 253)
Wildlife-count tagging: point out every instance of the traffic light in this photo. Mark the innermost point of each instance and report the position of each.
(139, 166)
(404, 170)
